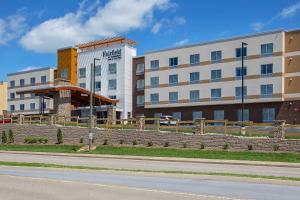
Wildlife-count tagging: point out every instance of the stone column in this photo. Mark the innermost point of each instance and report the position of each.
(111, 115)
(200, 126)
(51, 120)
(279, 129)
(62, 103)
(140, 122)
(21, 119)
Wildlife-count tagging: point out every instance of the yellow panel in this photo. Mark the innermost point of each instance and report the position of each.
(67, 60)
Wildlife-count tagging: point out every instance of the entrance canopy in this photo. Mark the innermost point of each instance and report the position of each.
(79, 97)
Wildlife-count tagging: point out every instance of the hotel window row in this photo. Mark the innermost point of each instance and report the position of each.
(112, 85)
(266, 91)
(216, 56)
(32, 82)
(268, 115)
(112, 69)
(22, 106)
(216, 75)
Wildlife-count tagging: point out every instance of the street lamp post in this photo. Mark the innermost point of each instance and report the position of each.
(242, 54)
(92, 91)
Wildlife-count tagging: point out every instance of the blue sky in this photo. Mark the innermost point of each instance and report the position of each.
(31, 30)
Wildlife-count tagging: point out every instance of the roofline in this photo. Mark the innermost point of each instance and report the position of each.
(137, 57)
(29, 71)
(217, 41)
(65, 48)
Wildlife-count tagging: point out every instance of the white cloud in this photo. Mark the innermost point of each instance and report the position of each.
(181, 42)
(29, 68)
(155, 29)
(258, 26)
(168, 24)
(290, 11)
(12, 27)
(115, 17)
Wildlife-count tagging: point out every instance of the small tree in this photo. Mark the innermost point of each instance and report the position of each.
(60, 136)
(4, 138)
(11, 137)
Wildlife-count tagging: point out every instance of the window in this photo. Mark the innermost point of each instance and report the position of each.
(98, 85)
(82, 72)
(154, 64)
(266, 69)
(140, 100)
(140, 84)
(238, 92)
(82, 85)
(268, 114)
(173, 97)
(113, 97)
(12, 95)
(176, 115)
(112, 84)
(32, 81)
(154, 98)
(157, 115)
(216, 75)
(197, 115)
(218, 114)
(194, 95)
(194, 59)
(154, 82)
(266, 90)
(266, 49)
(98, 70)
(173, 80)
(21, 96)
(22, 107)
(32, 106)
(64, 74)
(216, 56)
(22, 82)
(246, 115)
(43, 79)
(216, 94)
(173, 62)
(140, 69)
(194, 77)
(238, 52)
(12, 84)
(112, 68)
(12, 107)
(32, 95)
(238, 72)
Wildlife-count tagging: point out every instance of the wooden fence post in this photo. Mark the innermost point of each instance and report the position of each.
(177, 126)
(64, 120)
(77, 121)
(225, 126)
(158, 125)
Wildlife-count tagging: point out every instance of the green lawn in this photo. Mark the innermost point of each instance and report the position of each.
(163, 152)
(41, 148)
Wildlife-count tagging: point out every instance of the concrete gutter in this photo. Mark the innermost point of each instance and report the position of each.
(164, 159)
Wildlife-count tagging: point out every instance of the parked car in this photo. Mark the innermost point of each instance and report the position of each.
(167, 120)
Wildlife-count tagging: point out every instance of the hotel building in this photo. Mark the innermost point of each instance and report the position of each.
(3, 97)
(32, 79)
(204, 80)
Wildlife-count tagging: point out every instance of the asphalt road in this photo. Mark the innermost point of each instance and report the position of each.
(39, 183)
(151, 165)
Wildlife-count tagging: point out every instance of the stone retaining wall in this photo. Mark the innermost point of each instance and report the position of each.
(72, 135)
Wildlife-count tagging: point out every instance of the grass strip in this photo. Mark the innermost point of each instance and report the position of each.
(45, 165)
(42, 148)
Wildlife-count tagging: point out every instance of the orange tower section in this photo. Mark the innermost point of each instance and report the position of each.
(67, 65)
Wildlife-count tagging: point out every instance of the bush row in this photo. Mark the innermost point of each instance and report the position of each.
(7, 137)
(33, 140)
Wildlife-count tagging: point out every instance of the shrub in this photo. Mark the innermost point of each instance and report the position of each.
(202, 146)
(250, 147)
(45, 140)
(4, 137)
(81, 140)
(184, 145)
(226, 146)
(150, 144)
(105, 142)
(60, 136)
(11, 137)
(166, 144)
(33, 140)
(121, 141)
(40, 140)
(134, 142)
(275, 147)
(93, 140)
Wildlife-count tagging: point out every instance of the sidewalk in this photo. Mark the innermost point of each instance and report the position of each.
(167, 159)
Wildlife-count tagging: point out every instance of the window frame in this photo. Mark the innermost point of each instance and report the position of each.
(154, 65)
(156, 99)
(173, 94)
(195, 59)
(193, 95)
(216, 56)
(171, 83)
(217, 73)
(215, 98)
(173, 62)
(192, 76)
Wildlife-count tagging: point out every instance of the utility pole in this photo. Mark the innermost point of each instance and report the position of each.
(242, 52)
(91, 105)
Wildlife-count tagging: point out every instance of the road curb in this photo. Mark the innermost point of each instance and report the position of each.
(166, 159)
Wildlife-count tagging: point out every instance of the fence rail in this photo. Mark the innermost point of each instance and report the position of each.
(157, 124)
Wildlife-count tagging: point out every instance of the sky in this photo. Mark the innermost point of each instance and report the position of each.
(31, 31)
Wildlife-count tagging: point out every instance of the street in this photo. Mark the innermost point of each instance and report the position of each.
(38, 183)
